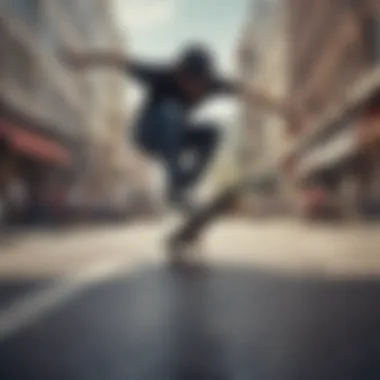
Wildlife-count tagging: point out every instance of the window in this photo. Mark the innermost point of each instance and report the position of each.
(27, 10)
(49, 34)
(80, 14)
(17, 65)
(248, 58)
(350, 65)
(314, 105)
(371, 34)
(57, 109)
(320, 37)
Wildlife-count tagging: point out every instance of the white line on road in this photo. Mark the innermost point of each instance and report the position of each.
(28, 309)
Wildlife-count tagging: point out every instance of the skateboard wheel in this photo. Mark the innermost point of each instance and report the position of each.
(188, 252)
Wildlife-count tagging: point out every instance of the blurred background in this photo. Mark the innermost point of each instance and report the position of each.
(79, 204)
(65, 152)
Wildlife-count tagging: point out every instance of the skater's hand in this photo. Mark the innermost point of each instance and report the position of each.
(74, 59)
(81, 60)
(281, 107)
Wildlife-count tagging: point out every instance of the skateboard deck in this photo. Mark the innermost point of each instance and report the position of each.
(185, 239)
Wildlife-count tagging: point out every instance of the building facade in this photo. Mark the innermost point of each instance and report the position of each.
(57, 125)
(334, 83)
(108, 155)
(264, 67)
(42, 122)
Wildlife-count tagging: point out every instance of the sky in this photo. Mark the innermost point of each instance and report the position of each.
(156, 29)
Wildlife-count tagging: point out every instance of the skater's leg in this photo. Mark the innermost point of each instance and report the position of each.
(202, 142)
(159, 133)
(171, 118)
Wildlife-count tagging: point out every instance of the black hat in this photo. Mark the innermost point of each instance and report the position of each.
(196, 60)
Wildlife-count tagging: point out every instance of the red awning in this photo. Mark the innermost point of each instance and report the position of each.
(36, 146)
(370, 129)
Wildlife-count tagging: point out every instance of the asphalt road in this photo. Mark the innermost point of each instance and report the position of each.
(224, 323)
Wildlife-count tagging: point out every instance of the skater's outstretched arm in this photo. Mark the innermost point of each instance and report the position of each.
(90, 59)
(257, 97)
(263, 99)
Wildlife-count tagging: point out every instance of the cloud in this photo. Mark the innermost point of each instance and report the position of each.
(144, 14)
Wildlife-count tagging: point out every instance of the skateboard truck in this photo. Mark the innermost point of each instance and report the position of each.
(182, 246)
(186, 237)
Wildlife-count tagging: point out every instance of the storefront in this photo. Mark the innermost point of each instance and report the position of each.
(33, 162)
(370, 149)
(337, 149)
(329, 169)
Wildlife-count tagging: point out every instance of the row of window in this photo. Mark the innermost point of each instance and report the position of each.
(317, 43)
(86, 16)
(16, 64)
(320, 38)
(19, 66)
(353, 60)
(56, 108)
(27, 10)
(371, 36)
(19, 69)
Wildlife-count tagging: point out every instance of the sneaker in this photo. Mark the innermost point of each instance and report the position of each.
(184, 203)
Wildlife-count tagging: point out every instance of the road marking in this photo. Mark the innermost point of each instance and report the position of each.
(25, 311)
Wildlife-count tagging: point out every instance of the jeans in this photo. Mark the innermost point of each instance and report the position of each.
(164, 133)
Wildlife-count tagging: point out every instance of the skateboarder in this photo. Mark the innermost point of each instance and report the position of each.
(163, 128)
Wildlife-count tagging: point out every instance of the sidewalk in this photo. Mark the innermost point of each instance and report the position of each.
(45, 254)
(291, 244)
(282, 244)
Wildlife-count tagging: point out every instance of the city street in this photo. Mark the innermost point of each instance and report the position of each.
(280, 300)
(116, 110)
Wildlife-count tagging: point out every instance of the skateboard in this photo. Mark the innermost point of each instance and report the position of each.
(185, 242)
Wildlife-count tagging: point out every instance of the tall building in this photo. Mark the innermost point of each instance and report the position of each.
(335, 79)
(264, 67)
(57, 124)
(42, 123)
(108, 155)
